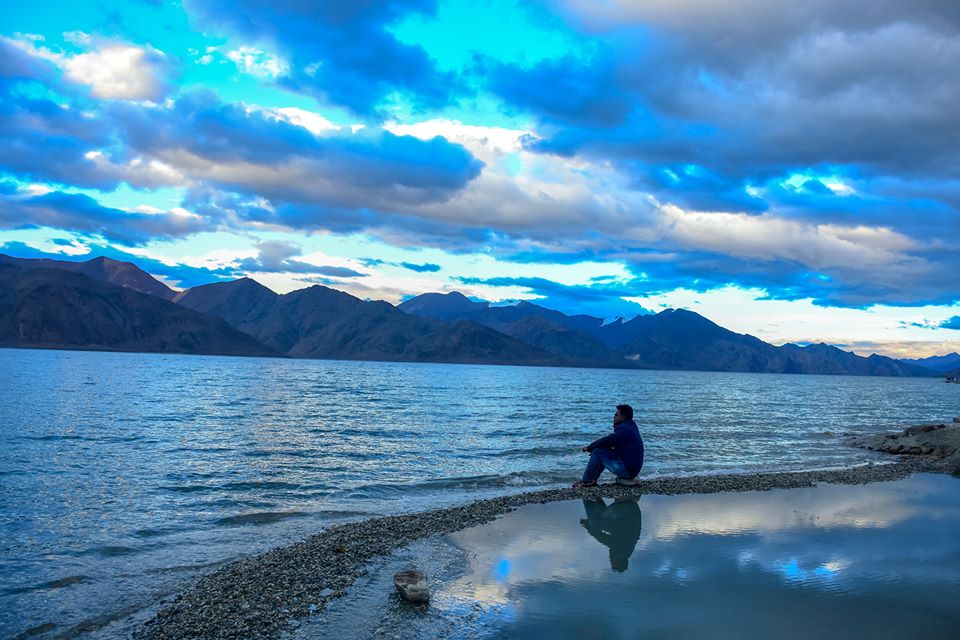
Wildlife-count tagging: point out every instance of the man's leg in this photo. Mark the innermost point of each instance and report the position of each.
(601, 459)
(615, 466)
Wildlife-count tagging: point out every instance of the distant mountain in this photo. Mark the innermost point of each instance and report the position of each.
(456, 306)
(443, 306)
(123, 274)
(62, 307)
(319, 322)
(243, 303)
(564, 342)
(940, 364)
(679, 339)
(54, 308)
(671, 339)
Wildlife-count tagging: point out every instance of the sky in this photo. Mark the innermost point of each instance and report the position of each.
(787, 169)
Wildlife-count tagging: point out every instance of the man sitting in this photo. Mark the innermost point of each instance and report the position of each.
(620, 453)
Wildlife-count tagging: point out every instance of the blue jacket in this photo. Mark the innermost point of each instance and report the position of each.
(627, 443)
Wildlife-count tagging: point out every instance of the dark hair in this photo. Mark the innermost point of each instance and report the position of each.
(626, 411)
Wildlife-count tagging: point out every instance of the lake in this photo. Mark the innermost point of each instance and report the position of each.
(124, 475)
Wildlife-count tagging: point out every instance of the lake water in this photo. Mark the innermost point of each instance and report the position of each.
(124, 475)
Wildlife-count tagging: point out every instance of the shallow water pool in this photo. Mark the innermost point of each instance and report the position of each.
(879, 560)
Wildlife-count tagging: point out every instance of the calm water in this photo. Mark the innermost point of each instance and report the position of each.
(124, 475)
(871, 561)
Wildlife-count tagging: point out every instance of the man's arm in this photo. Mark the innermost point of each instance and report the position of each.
(606, 442)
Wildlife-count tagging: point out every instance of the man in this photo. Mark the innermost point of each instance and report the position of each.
(620, 453)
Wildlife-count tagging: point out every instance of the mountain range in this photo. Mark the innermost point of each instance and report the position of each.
(941, 364)
(53, 308)
(107, 304)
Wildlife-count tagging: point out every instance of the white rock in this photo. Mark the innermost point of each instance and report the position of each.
(412, 585)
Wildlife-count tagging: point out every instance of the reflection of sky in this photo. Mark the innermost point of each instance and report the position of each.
(847, 549)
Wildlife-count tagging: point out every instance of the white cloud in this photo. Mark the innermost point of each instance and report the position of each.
(309, 120)
(483, 142)
(112, 70)
(139, 172)
(767, 237)
(120, 72)
(259, 63)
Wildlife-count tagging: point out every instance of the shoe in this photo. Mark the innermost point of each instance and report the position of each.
(628, 482)
(580, 484)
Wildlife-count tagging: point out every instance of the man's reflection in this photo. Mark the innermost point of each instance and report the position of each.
(616, 525)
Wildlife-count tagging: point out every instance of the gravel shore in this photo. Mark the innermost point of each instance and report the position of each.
(261, 596)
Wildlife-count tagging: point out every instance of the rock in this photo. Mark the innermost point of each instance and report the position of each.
(922, 428)
(412, 585)
(953, 464)
(956, 420)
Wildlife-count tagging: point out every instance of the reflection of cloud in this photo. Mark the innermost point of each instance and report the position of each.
(875, 505)
(544, 543)
(531, 550)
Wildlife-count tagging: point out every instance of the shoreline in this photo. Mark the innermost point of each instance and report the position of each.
(264, 595)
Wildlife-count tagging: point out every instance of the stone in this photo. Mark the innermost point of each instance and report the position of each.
(921, 428)
(412, 585)
(956, 420)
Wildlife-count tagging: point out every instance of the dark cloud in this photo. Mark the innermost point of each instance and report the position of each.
(83, 214)
(17, 64)
(951, 323)
(420, 268)
(277, 256)
(342, 52)
(756, 89)
(599, 300)
(571, 90)
(43, 139)
(258, 153)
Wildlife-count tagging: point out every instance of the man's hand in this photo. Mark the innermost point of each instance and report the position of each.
(585, 450)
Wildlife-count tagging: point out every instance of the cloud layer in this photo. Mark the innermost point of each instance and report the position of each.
(809, 150)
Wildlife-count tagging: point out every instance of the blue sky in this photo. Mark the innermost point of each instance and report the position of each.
(791, 170)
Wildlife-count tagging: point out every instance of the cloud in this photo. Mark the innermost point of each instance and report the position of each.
(951, 323)
(744, 100)
(340, 52)
(809, 150)
(569, 89)
(258, 63)
(121, 72)
(249, 151)
(113, 70)
(83, 214)
(277, 256)
(421, 268)
(601, 300)
(44, 139)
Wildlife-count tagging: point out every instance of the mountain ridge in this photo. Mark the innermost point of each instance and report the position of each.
(321, 322)
(124, 274)
(58, 309)
(676, 339)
